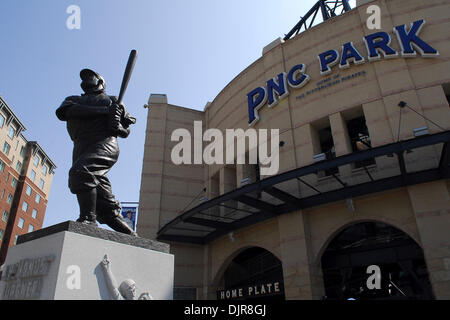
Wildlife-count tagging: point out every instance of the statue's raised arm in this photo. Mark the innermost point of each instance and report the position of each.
(110, 280)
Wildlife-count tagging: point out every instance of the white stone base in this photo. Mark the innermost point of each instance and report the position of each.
(76, 272)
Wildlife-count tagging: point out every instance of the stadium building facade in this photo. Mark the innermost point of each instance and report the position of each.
(363, 183)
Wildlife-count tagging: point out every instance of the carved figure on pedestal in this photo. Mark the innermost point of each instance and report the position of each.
(126, 290)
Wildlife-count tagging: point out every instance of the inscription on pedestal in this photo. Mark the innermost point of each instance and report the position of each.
(24, 279)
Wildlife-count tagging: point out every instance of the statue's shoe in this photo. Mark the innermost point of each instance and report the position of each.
(88, 222)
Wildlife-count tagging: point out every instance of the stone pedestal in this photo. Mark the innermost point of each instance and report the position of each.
(64, 261)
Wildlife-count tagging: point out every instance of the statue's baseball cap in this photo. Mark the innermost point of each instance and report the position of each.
(85, 73)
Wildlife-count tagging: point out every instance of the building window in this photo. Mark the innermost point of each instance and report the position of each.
(6, 148)
(9, 199)
(13, 182)
(2, 166)
(32, 175)
(327, 147)
(44, 170)
(36, 160)
(19, 166)
(2, 232)
(21, 222)
(38, 198)
(2, 120)
(34, 213)
(15, 239)
(359, 138)
(30, 228)
(28, 190)
(25, 206)
(41, 184)
(3, 193)
(5, 216)
(446, 87)
(11, 132)
(22, 151)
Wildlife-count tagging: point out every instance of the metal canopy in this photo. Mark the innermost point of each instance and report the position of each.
(328, 8)
(265, 199)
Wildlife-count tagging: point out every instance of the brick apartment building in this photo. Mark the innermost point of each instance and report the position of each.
(26, 174)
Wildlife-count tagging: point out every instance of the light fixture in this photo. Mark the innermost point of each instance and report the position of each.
(350, 205)
(320, 157)
(402, 104)
(245, 181)
(420, 131)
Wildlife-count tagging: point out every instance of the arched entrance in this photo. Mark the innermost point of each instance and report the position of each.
(255, 273)
(400, 260)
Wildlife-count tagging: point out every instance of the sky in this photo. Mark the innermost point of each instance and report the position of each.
(188, 50)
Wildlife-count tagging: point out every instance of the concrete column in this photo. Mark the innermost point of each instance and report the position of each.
(227, 179)
(307, 145)
(381, 133)
(342, 144)
(431, 206)
(227, 183)
(298, 272)
(153, 167)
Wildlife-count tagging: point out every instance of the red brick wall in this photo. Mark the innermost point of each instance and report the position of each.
(11, 229)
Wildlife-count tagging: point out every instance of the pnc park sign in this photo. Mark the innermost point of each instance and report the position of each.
(377, 45)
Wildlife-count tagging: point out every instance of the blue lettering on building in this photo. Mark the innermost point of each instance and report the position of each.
(377, 45)
(350, 54)
(408, 39)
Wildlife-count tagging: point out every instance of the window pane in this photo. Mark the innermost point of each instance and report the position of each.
(44, 170)
(2, 232)
(20, 224)
(14, 182)
(11, 132)
(34, 213)
(38, 198)
(22, 151)
(29, 190)
(18, 166)
(33, 175)
(25, 206)
(30, 228)
(41, 184)
(9, 199)
(15, 239)
(2, 120)
(36, 160)
(5, 216)
(6, 148)
(2, 166)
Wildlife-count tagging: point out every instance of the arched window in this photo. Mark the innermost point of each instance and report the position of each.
(403, 272)
(253, 274)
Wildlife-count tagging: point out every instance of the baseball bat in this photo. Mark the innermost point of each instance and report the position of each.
(127, 75)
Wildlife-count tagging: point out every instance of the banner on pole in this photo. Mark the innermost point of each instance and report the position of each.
(129, 214)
